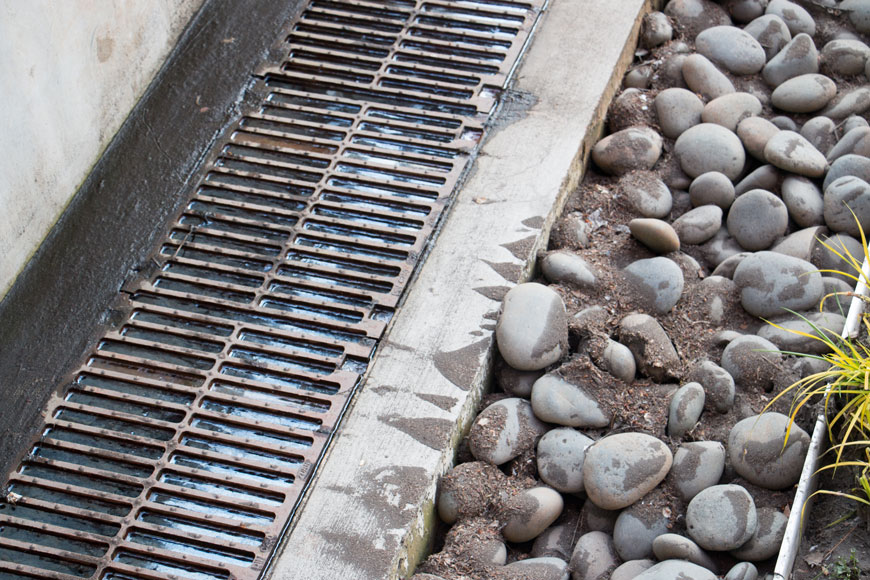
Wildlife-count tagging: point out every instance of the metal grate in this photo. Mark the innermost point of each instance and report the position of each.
(182, 445)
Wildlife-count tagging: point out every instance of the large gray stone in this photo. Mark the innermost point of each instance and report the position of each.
(718, 385)
(532, 330)
(594, 557)
(760, 453)
(728, 110)
(847, 205)
(504, 430)
(677, 109)
(628, 150)
(655, 354)
(568, 268)
(685, 409)
(789, 151)
(560, 457)
(620, 469)
(785, 334)
(680, 569)
(710, 147)
(754, 133)
(731, 48)
(756, 219)
(697, 466)
(722, 517)
(530, 512)
(845, 57)
(766, 541)
(798, 57)
(699, 225)
(795, 16)
(555, 400)
(855, 102)
(771, 32)
(636, 529)
(702, 77)
(804, 201)
(658, 281)
(804, 93)
(752, 361)
(848, 165)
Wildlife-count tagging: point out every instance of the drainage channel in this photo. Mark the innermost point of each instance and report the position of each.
(182, 445)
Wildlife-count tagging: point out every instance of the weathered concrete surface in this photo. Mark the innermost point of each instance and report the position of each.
(371, 506)
(71, 73)
(55, 310)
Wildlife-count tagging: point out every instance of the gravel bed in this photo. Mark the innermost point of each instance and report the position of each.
(625, 436)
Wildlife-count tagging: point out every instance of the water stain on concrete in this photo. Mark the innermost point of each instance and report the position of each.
(105, 47)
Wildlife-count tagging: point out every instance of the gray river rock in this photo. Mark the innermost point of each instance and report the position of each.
(676, 547)
(754, 133)
(759, 452)
(504, 430)
(704, 78)
(710, 147)
(717, 383)
(655, 354)
(712, 188)
(676, 569)
(657, 235)
(697, 466)
(769, 282)
(635, 531)
(731, 48)
(767, 539)
(756, 219)
(532, 330)
(771, 32)
(658, 281)
(561, 453)
(804, 93)
(751, 360)
(845, 57)
(821, 132)
(798, 57)
(594, 557)
(795, 16)
(628, 150)
(803, 199)
(845, 194)
(555, 400)
(728, 110)
(530, 512)
(789, 151)
(699, 225)
(722, 517)
(677, 109)
(568, 268)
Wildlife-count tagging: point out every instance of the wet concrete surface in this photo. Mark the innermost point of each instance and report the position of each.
(62, 301)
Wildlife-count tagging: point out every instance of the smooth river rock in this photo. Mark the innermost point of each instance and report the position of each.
(718, 385)
(594, 557)
(677, 109)
(728, 110)
(845, 194)
(561, 454)
(785, 334)
(704, 78)
(859, 14)
(712, 188)
(635, 531)
(856, 141)
(754, 133)
(628, 150)
(657, 235)
(629, 570)
(789, 151)
(767, 539)
(656, 30)
(710, 147)
(722, 517)
(731, 48)
(798, 57)
(804, 93)
(803, 199)
(676, 547)
(756, 219)
(677, 569)
(620, 469)
(618, 360)
(647, 194)
(795, 16)
(855, 102)
(555, 400)
(569, 268)
(759, 452)
(530, 512)
(697, 466)
(752, 361)
(821, 132)
(699, 225)
(685, 409)
(532, 330)
(848, 165)
(771, 32)
(845, 57)
(547, 568)
(504, 430)
(658, 281)
(693, 16)
(655, 354)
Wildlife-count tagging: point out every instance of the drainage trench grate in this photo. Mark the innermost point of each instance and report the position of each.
(180, 448)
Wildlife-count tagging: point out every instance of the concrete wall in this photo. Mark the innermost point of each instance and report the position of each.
(70, 73)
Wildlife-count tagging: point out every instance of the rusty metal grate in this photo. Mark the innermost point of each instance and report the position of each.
(180, 448)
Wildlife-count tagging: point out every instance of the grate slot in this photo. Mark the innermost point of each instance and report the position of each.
(182, 445)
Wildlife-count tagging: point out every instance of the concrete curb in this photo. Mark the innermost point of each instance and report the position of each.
(370, 510)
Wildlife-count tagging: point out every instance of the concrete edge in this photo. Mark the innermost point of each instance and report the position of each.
(370, 509)
(60, 304)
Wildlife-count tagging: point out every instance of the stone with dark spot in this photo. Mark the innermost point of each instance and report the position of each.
(845, 56)
(556, 400)
(859, 14)
(561, 453)
(848, 165)
(800, 244)
(752, 361)
(855, 102)
(825, 256)
(636, 529)
(718, 385)
(756, 219)
(856, 141)
(754, 133)
(712, 188)
(656, 30)
(803, 199)
(770, 282)
(767, 539)
(677, 547)
(568, 268)
(798, 57)
(721, 517)
(744, 11)
(676, 570)
(710, 147)
(594, 557)
(795, 17)
(532, 331)
(789, 151)
(771, 32)
(727, 267)
(652, 348)
(622, 468)
(765, 177)
(804, 93)
(697, 466)
(704, 78)
(596, 519)
(513, 382)
(759, 452)
(529, 513)
(658, 281)
(821, 132)
(504, 430)
(677, 109)
(557, 541)
(847, 205)
(685, 409)
(627, 150)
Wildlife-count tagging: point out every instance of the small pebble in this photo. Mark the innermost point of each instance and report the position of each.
(789, 151)
(729, 265)
(766, 541)
(845, 57)
(787, 338)
(859, 14)
(855, 102)
(676, 569)
(800, 244)
(504, 430)
(765, 177)
(676, 547)
(656, 30)
(647, 194)
(652, 349)
(855, 142)
(657, 235)
(619, 361)
(742, 571)
(848, 165)
(821, 132)
(629, 570)
(636, 529)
